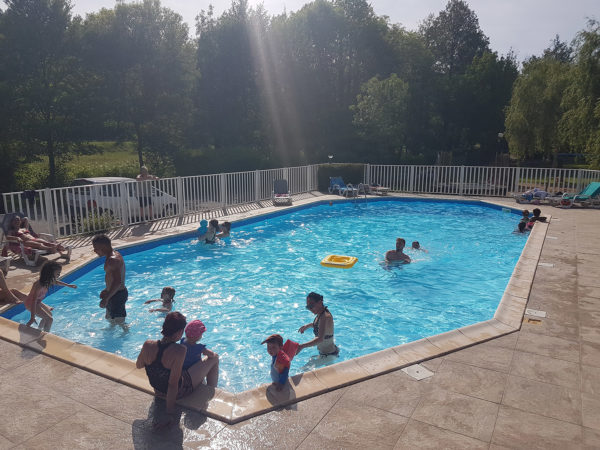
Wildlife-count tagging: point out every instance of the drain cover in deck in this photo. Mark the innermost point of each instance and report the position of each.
(417, 371)
(535, 313)
(545, 264)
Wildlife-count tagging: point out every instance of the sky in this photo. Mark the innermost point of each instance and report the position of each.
(525, 26)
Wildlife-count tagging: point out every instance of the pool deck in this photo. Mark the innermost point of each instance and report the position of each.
(538, 387)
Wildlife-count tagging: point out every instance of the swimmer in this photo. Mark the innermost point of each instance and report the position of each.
(211, 232)
(225, 229)
(166, 297)
(417, 246)
(398, 254)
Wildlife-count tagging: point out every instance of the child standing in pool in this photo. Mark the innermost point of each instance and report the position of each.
(166, 297)
(48, 276)
(193, 333)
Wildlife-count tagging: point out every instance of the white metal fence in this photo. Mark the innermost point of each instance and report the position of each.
(478, 180)
(74, 210)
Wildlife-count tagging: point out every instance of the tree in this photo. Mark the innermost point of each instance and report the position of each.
(380, 115)
(455, 40)
(45, 84)
(143, 54)
(536, 108)
(580, 123)
(454, 37)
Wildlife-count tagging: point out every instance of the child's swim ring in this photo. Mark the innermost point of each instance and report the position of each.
(339, 262)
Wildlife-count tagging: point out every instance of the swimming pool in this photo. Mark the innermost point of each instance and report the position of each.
(255, 283)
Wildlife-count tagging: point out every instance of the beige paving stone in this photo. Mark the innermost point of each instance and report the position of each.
(590, 333)
(12, 355)
(297, 420)
(551, 327)
(546, 369)
(590, 318)
(352, 427)
(520, 429)
(17, 333)
(43, 371)
(450, 340)
(507, 341)
(88, 429)
(470, 380)
(416, 351)
(548, 346)
(6, 443)
(590, 379)
(519, 287)
(589, 304)
(590, 354)
(588, 291)
(394, 392)
(591, 439)
(590, 411)
(379, 362)
(28, 408)
(544, 399)
(458, 413)
(484, 355)
(589, 280)
(481, 331)
(419, 435)
(432, 364)
(341, 373)
(112, 365)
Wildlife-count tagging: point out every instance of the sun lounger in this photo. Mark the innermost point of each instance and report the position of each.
(337, 186)
(11, 245)
(281, 193)
(590, 196)
(535, 196)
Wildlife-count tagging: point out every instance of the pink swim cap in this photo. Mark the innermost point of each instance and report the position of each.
(195, 329)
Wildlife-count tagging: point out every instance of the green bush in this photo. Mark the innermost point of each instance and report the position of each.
(351, 173)
(95, 223)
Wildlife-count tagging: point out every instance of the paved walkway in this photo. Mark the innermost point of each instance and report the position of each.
(537, 388)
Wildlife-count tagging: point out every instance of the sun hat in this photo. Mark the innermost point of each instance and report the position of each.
(274, 338)
(195, 329)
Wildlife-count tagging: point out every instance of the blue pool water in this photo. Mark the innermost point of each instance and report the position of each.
(255, 283)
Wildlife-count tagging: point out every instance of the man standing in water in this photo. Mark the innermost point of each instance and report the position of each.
(398, 254)
(113, 298)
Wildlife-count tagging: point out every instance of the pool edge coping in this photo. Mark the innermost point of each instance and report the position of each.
(232, 408)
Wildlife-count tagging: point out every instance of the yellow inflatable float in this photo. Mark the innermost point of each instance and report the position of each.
(339, 262)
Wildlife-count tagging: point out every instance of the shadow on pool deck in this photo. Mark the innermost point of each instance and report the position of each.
(535, 388)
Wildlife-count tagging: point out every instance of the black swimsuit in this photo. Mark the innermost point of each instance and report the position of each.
(158, 374)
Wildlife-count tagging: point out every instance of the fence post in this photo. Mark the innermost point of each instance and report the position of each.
(461, 180)
(49, 211)
(124, 196)
(579, 186)
(180, 197)
(223, 189)
(516, 179)
(367, 176)
(411, 182)
(257, 193)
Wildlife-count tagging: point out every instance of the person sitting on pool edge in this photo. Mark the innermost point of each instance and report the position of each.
(163, 361)
(7, 295)
(166, 297)
(536, 216)
(322, 327)
(398, 254)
